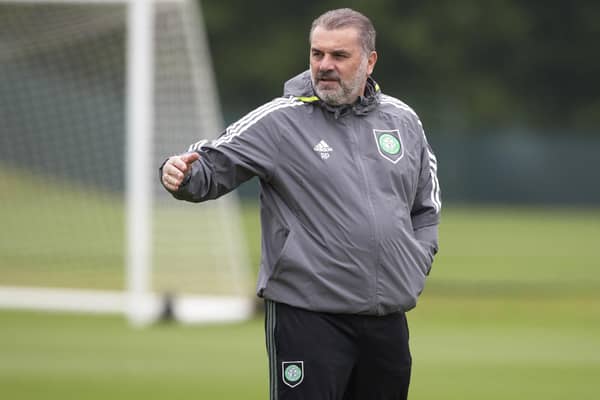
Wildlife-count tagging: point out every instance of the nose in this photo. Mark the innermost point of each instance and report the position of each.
(327, 63)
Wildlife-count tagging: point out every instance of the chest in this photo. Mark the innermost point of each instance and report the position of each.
(381, 149)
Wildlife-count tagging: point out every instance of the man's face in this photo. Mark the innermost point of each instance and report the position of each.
(339, 67)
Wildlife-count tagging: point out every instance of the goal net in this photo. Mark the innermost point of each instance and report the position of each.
(94, 95)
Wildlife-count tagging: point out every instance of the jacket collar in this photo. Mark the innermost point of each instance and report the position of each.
(301, 88)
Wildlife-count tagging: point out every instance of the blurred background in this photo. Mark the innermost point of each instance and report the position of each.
(508, 91)
(509, 95)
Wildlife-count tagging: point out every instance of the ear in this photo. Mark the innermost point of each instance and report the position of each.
(371, 60)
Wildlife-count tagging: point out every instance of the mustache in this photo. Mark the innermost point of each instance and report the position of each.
(328, 75)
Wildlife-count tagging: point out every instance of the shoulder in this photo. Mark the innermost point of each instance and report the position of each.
(398, 108)
(394, 105)
(270, 109)
(261, 117)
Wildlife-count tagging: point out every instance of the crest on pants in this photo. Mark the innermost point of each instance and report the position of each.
(389, 144)
(292, 372)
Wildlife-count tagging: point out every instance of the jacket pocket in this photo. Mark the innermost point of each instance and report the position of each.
(425, 257)
(277, 266)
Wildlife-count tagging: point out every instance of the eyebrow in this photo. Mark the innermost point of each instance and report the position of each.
(340, 53)
(336, 52)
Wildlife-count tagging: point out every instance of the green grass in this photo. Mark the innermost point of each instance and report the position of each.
(45, 356)
(511, 310)
(463, 348)
(56, 233)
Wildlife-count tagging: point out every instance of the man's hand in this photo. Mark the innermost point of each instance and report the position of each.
(176, 169)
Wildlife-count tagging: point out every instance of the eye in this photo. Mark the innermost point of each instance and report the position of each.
(340, 55)
(317, 54)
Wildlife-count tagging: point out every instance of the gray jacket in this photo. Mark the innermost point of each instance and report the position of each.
(350, 201)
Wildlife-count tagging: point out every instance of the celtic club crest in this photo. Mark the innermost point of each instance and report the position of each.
(389, 144)
(292, 372)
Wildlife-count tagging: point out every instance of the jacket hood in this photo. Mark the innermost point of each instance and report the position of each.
(301, 87)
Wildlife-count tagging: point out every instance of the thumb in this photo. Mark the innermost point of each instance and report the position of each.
(189, 158)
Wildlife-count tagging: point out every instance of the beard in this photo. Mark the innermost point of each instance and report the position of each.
(345, 92)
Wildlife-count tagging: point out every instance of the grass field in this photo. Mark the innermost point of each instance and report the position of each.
(58, 233)
(511, 310)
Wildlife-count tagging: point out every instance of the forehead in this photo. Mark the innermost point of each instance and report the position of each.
(335, 39)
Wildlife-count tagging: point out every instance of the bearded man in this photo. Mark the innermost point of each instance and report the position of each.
(350, 207)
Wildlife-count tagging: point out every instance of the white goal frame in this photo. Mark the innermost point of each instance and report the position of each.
(137, 302)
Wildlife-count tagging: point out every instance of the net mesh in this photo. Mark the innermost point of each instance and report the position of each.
(62, 148)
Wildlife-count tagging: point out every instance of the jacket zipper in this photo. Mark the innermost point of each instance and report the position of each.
(375, 232)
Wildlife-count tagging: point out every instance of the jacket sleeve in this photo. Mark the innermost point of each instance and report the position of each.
(247, 148)
(425, 211)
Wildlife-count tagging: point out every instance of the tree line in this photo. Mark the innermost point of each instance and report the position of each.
(466, 66)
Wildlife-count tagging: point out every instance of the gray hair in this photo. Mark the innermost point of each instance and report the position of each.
(348, 18)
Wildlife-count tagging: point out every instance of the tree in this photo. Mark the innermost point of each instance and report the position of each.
(466, 66)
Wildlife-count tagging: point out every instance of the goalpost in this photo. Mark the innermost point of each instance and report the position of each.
(77, 77)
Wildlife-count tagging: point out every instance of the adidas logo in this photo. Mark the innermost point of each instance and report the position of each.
(323, 149)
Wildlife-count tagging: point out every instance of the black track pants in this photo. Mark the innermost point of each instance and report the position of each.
(319, 356)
